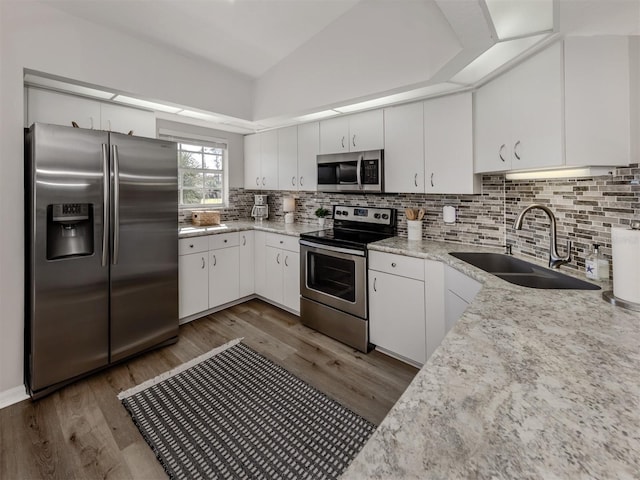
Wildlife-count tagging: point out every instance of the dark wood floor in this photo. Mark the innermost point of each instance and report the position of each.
(83, 432)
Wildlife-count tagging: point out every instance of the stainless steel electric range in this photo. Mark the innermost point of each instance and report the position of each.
(333, 273)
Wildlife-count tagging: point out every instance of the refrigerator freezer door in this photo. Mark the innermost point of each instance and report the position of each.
(67, 288)
(144, 263)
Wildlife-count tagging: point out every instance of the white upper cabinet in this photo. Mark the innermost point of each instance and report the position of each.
(334, 135)
(519, 116)
(252, 172)
(597, 101)
(116, 118)
(353, 133)
(59, 109)
(288, 158)
(404, 148)
(448, 145)
(261, 161)
(308, 149)
(269, 160)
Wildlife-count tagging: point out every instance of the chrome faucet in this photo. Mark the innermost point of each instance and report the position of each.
(555, 260)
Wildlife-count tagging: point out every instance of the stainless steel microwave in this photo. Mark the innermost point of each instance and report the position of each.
(351, 172)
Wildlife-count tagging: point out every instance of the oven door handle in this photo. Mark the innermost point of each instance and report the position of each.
(331, 248)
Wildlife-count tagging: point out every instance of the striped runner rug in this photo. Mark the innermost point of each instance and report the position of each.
(232, 413)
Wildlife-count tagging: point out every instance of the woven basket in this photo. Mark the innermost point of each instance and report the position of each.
(205, 217)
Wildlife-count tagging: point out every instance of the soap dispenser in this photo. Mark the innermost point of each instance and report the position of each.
(596, 265)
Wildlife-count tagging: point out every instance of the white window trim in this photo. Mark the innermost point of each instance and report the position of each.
(182, 137)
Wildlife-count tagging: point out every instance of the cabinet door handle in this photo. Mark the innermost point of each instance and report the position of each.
(244, 240)
(301, 181)
(257, 181)
(215, 261)
(278, 259)
(293, 181)
(202, 258)
(354, 140)
(285, 261)
(432, 179)
(415, 179)
(515, 150)
(342, 141)
(263, 181)
(375, 280)
(500, 152)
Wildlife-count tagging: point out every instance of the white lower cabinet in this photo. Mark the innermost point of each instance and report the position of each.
(247, 263)
(260, 263)
(224, 276)
(459, 292)
(397, 305)
(193, 276)
(282, 270)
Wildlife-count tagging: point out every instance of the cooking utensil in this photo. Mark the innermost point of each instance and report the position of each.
(421, 213)
(410, 214)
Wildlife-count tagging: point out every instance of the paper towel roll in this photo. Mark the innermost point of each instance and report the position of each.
(625, 246)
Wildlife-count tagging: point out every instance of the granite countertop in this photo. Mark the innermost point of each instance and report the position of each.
(528, 384)
(294, 229)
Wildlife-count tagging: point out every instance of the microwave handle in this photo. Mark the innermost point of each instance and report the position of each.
(358, 167)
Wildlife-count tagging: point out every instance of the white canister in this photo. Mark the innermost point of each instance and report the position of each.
(414, 229)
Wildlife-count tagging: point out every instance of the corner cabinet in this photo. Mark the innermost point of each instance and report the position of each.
(519, 116)
(352, 133)
(308, 149)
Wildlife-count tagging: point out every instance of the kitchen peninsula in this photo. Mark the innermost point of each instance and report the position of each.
(528, 384)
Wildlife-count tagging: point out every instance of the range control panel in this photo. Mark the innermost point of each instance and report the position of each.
(373, 215)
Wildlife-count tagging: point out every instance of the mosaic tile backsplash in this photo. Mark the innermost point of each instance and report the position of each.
(585, 209)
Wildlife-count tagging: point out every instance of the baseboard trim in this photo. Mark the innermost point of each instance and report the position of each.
(13, 395)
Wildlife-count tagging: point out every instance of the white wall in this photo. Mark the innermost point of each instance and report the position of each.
(375, 47)
(35, 36)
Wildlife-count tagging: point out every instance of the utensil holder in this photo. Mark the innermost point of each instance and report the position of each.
(414, 229)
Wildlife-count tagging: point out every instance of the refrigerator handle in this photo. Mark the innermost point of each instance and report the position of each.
(105, 204)
(116, 203)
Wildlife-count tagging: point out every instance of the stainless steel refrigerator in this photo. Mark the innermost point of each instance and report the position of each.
(101, 263)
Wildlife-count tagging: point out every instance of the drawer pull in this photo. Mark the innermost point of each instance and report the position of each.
(191, 245)
(225, 240)
(281, 242)
(393, 264)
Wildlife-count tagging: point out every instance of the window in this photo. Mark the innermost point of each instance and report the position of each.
(202, 170)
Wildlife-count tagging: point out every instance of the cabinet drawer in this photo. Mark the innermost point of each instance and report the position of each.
(464, 287)
(286, 242)
(224, 240)
(193, 245)
(409, 267)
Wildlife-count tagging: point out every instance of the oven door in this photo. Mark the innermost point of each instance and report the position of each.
(334, 276)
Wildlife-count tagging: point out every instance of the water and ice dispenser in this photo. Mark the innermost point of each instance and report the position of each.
(69, 230)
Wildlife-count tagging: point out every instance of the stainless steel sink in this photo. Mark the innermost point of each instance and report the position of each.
(521, 272)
